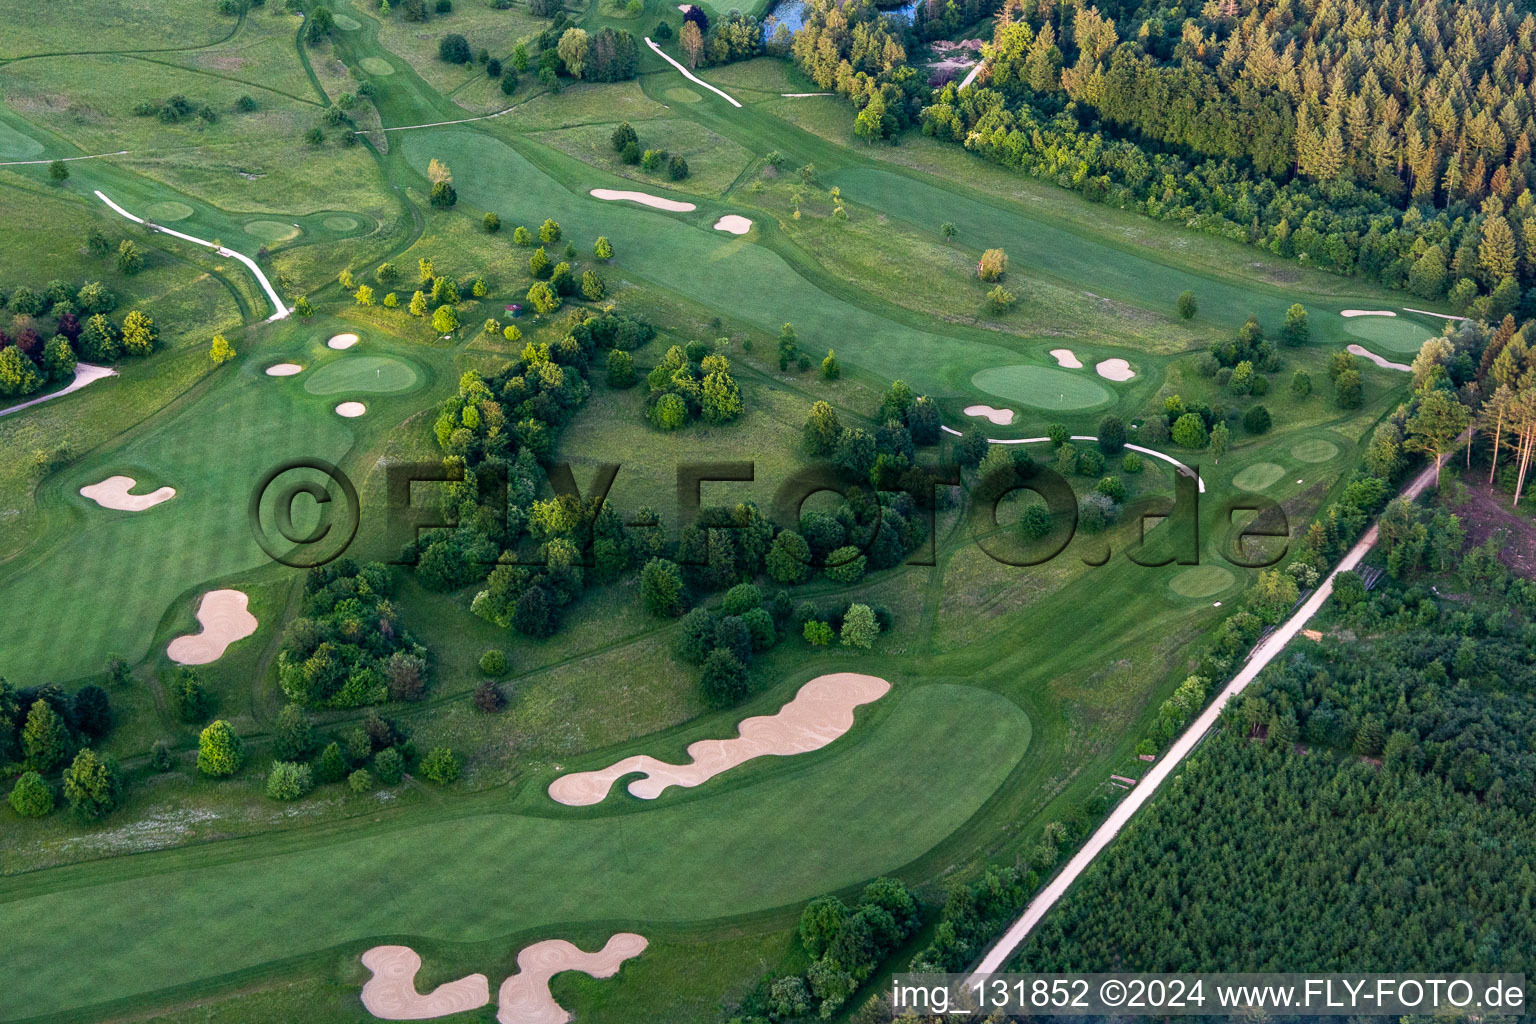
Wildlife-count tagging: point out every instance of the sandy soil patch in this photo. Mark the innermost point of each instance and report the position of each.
(1066, 357)
(224, 619)
(391, 992)
(733, 223)
(1001, 417)
(1115, 369)
(351, 410)
(820, 713)
(655, 202)
(342, 341)
(524, 998)
(1366, 312)
(284, 370)
(113, 493)
(1381, 361)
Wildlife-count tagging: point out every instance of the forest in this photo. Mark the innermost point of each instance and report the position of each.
(1366, 807)
(1373, 137)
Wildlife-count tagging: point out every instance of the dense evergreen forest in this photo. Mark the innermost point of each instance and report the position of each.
(1367, 807)
(1383, 138)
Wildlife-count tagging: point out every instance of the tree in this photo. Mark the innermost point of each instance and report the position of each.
(389, 765)
(724, 680)
(288, 781)
(1348, 391)
(870, 124)
(1436, 425)
(602, 248)
(549, 232)
(454, 49)
(295, 736)
(443, 196)
(593, 288)
(18, 374)
(859, 627)
(1296, 330)
(219, 750)
(31, 797)
(999, 300)
(1188, 304)
(993, 265)
(58, 171)
(93, 785)
(846, 565)
(302, 307)
(1301, 384)
(543, 298)
(573, 49)
(44, 738)
(59, 359)
(621, 369)
(1189, 432)
(1220, 437)
(440, 766)
(138, 334)
(677, 168)
(831, 369)
(188, 697)
(661, 588)
(445, 320)
(220, 351)
(1257, 420)
(623, 136)
(692, 42)
(1111, 434)
(947, 229)
(129, 259)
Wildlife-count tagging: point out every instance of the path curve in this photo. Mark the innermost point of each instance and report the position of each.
(690, 75)
(261, 278)
(1181, 467)
(85, 373)
(1266, 651)
(971, 76)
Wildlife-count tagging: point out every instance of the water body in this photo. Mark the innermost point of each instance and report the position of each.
(792, 13)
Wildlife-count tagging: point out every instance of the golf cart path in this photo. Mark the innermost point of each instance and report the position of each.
(1187, 471)
(277, 300)
(85, 374)
(1262, 655)
(690, 75)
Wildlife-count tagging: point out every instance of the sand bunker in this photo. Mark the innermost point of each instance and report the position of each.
(1066, 357)
(224, 619)
(1385, 364)
(1115, 369)
(1366, 312)
(284, 370)
(342, 341)
(113, 493)
(820, 713)
(655, 202)
(1002, 417)
(734, 224)
(391, 992)
(524, 998)
(351, 410)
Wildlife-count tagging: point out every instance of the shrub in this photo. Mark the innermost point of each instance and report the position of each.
(389, 765)
(160, 756)
(859, 627)
(741, 599)
(219, 750)
(993, 265)
(489, 698)
(288, 780)
(1131, 463)
(845, 565)
(725, 679)
(93, 785)
(817, 633)
(1256, 420)
(32, 797)
(440, 766)
(493, 662)
(360, 781)
(454, 49)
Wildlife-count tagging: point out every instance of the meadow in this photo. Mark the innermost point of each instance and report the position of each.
(1017, 691)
